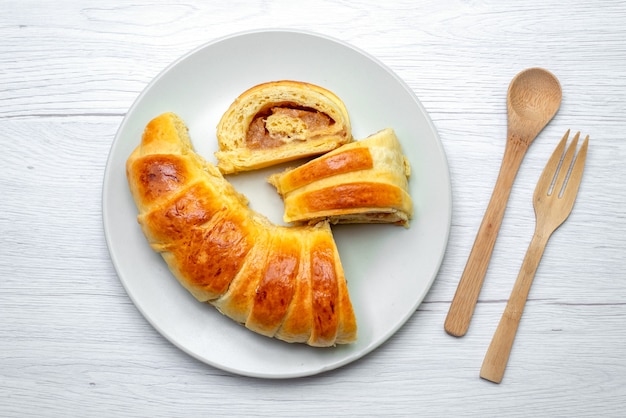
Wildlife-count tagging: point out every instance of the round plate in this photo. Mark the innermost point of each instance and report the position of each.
(389, 268)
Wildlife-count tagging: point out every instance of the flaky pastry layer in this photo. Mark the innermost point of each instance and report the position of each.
(362, 182)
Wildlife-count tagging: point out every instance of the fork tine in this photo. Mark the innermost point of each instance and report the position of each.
(571, 188)
(566, 164)
(547, 175)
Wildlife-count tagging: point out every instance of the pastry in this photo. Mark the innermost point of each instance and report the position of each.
(282, 282)
(362, 182)
(280, 121)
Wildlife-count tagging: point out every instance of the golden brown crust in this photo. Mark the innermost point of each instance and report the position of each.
(280, 121)
(321, 311)
(362, 182)
(209, 258)
(350, 196)
(325, 294)
(257, 273)
(346, 325)
(238, 300)
(276, 288)
(172, 221)
(297, 324)
(158, 175)
(326, 166)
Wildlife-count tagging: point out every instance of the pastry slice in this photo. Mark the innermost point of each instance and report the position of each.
(280, 121)
(278, 281)
(362, 182)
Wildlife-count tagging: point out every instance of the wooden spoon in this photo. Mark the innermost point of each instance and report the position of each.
(533, 98)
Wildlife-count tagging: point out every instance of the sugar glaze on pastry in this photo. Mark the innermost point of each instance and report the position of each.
(280, 121)
(281, 282)
(365, 181)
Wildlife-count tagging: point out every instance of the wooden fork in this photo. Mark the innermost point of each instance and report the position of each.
(553, 201)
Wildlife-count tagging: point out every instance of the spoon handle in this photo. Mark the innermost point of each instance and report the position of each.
(464, 301)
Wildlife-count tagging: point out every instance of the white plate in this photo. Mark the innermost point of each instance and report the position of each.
(389, 269)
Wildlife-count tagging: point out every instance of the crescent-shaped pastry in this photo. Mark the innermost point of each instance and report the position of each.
(282, 282)
(280, 121)
(362, 182)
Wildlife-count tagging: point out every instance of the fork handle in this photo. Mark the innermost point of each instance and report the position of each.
(464, 301)
(497, 356)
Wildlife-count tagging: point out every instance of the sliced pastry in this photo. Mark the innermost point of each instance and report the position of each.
(282, 282)
(280, 121)
(362, 182)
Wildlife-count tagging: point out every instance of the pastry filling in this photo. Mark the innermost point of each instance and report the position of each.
(284, 123)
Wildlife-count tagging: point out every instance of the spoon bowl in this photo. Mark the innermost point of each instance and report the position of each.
(533, 98)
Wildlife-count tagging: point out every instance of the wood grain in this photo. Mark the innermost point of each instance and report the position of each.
(553, 201)
(533, 98)
(71, 341)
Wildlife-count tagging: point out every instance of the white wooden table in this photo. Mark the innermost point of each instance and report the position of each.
(73, 344)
